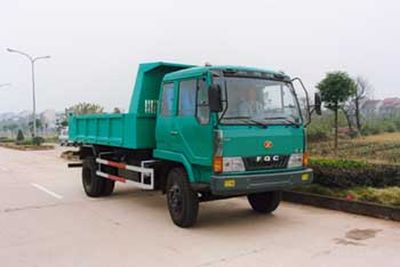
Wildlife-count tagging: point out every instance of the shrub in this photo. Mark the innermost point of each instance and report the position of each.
(6, 140)
(20, 137)
(319, 130)
(339, 163)
(389, 127)
(53, 139)
(376, 126)
(396, 122)
(317, 135)
(350, 173)
(37, 140)
(371, 128)
(354, 134)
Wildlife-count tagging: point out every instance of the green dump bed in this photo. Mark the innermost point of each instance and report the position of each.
(135, 129)
(120, 130)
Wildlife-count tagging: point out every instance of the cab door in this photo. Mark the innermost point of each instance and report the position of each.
(192, 121)
(167, 134)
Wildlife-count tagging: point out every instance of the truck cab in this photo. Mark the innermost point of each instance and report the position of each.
(254, 141)
(200, 133)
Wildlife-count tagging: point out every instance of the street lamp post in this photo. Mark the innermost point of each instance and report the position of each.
(32, 60)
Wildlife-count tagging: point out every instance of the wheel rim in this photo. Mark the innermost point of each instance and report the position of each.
(175, 199)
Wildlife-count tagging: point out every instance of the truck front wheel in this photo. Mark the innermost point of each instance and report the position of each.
(183, 203)
(265, 202)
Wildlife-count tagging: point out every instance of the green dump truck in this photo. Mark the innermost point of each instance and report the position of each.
(199, 133)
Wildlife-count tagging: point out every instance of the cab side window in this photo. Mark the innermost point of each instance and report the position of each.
(203, 111)
(187, 97)
(168, 97)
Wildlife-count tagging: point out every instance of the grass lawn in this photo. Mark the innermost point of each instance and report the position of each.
(387, 196)
(382, 148)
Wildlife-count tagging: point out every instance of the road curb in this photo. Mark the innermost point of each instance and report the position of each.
(356, 207)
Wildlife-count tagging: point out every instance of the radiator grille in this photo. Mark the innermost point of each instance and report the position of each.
(266, 162)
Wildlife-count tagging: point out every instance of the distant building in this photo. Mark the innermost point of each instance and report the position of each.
(388, 107)
(370, 107)
(48, 118)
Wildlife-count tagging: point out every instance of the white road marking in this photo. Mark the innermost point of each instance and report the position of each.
(3, 169)
(44, 189)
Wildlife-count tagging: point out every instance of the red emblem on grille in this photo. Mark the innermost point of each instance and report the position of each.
(267, 144)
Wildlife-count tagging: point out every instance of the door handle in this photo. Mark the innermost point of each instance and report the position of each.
(173, 132)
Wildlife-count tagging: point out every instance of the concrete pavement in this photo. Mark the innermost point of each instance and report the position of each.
(46, 220)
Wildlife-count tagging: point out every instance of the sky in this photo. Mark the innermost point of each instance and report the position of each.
(96, 46)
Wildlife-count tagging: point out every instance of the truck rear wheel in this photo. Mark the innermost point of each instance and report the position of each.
(183, 203)
(265, 202)
(92, 184)
(108, 187)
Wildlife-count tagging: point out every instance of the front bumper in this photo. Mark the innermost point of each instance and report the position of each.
(226, 185)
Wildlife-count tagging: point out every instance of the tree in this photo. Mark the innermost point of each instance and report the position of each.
(363, 89)
(84, 108)
(336, 88)
(347, 111)
(39, 125)
(351, 108)
(79, 109)
(61, 122)
(11, 127)
(20, 137)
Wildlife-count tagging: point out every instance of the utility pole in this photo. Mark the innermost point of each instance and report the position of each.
(32, 60)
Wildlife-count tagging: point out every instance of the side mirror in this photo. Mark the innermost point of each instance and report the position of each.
(215, 98)
(317, 103)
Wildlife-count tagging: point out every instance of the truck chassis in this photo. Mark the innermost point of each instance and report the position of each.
(101, 168)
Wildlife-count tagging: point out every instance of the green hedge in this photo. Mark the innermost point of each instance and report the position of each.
(350, 173)
(6, 140)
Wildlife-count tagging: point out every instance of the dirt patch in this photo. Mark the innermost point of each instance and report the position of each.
(26, 147)
(343, 241)
(362, 234)
(70, 155)
(353, 237)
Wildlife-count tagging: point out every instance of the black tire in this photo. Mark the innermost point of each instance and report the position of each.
(265, 202)
(108, 187)
(92, 184)
(183, 203)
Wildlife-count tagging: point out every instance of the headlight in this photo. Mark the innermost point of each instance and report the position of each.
(233, 164)
(295, 160)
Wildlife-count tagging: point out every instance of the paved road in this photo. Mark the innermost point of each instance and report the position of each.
(46, 220)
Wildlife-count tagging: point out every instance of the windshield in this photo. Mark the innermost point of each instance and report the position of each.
(252, 100)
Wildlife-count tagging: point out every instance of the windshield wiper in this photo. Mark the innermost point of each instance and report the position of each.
(246, 118)
(286, 119)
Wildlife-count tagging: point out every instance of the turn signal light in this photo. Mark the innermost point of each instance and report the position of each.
(218, 164)
(305, 159)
